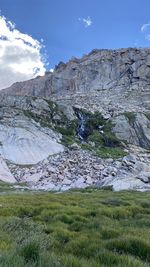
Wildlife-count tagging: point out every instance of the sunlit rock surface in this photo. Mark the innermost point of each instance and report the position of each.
(5, 174)
(22, 140)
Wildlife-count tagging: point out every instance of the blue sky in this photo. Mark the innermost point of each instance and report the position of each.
(62, 26)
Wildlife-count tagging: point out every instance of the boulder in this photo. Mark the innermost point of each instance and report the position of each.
(135, 130)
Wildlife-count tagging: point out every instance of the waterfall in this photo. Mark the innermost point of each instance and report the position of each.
(81, 131)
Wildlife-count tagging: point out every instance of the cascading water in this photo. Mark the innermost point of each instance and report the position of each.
(81, 130)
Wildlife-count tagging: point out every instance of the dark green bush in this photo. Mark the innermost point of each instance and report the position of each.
(30, 252)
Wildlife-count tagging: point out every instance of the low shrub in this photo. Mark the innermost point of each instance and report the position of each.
(30, 252)
(135, 247)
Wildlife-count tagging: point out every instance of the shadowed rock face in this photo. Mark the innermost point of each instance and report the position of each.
(135, 130)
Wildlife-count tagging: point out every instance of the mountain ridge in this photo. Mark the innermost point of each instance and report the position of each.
(121, 77)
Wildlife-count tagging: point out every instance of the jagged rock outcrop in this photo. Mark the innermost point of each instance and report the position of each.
(104, 80)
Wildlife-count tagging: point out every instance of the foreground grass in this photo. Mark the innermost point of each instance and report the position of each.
(86, 228)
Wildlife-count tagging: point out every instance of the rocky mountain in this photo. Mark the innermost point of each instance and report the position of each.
(85, 124)
(116, 80)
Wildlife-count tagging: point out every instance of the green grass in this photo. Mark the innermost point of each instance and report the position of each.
(79, 228)
(105, 152)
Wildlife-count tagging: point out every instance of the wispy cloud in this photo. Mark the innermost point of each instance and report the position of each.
(20, 55)
(145, 27)
(87, 22)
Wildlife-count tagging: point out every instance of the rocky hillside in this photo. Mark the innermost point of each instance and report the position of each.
(85, 124)
(42, 147)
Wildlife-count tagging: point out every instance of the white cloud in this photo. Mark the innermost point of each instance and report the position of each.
(20, 55)
(145, 27)
(86, 21)
(147, 37)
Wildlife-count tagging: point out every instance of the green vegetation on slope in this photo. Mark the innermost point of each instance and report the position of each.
(50, 118)
(99, 132)
(105, 142)
(85, 228)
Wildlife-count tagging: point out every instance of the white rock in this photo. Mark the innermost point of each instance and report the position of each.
(89, 180)
(98, 167)
(60, 177)
(144, 177)
(51, 169)
(79, 183)
(126, 182)
(5, 174)
(32, 178)
(65, 188)
(26, 145)
(74, 146)
(66, 181)
(110, 160)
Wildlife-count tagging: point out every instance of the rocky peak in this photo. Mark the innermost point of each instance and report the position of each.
(101, 80)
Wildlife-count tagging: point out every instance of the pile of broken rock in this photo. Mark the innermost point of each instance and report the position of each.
(76, 168)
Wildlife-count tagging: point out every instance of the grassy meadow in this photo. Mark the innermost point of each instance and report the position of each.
(84, 228)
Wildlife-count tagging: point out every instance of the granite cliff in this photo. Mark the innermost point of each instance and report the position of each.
(87, 123)
(105, 80)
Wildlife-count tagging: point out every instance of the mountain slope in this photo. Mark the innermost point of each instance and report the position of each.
(87, 123)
